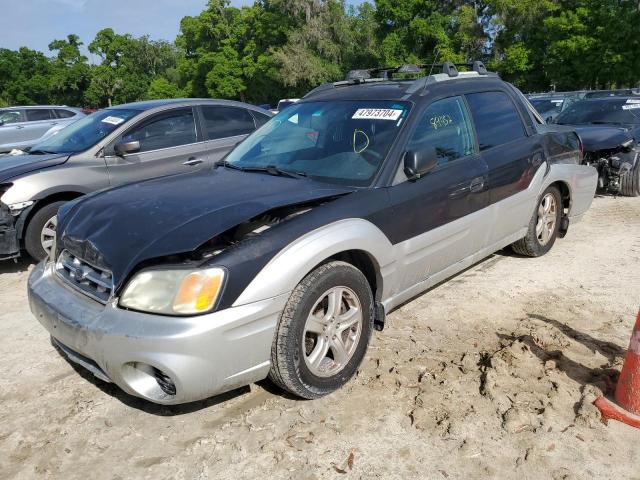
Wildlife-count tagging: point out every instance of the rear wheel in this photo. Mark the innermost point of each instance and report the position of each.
(543, 227)
(630, 183)
(41, 231)
(323, 332)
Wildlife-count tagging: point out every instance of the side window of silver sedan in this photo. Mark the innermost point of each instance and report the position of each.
(171, 129)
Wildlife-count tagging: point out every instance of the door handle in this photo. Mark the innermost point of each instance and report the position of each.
(19, 127)
(476, 185)
(193, 161)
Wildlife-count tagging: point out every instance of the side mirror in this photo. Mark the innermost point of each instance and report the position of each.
(418, 163)
(1, 123)
(125, 148)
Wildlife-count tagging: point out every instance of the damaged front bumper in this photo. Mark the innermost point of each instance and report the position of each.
(164, 359)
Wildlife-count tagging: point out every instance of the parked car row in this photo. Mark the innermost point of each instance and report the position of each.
(608, 123)
(23, 127)
(191, 247)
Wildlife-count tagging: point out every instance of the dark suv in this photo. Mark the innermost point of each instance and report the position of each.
(282, 259)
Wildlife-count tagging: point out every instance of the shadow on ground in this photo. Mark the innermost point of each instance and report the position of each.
(16, 266)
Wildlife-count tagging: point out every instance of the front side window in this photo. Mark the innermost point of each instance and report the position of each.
(496, 119)
(166, 130)
(445, 125)
(86, 132)
(224, 122)
(342, 142)
(39, 114)
(11, 116)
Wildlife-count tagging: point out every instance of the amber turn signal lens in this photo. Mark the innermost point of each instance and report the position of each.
(198, 291)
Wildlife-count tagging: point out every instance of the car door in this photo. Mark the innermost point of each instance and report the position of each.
(169, 143)
(437, 217)
(39, 121)
(512, 156)
(11, 126)
(224, 127)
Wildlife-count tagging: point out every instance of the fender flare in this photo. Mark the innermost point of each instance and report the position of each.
(296, 260)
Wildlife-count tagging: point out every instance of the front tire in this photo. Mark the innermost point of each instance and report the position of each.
(323, 332)
(543, 227)
(630, 183)
(40, 233)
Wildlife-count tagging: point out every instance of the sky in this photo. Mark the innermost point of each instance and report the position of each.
(35, 23)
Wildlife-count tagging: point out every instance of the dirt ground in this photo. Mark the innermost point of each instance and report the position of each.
(489, 375)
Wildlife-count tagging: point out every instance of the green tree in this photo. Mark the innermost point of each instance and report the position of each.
(71, 74)
(160, 88)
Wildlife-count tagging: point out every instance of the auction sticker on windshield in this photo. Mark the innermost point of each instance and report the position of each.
(377, 114)
(113, 120)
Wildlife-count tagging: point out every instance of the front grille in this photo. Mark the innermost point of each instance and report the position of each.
(92, 281)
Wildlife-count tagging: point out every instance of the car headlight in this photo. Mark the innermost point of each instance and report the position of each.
(174, 291)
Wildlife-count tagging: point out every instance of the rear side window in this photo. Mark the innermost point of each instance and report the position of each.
(222, 122)
(445, 125)
(496, 119)
(35, 115)
(166, 130)
(64, 113)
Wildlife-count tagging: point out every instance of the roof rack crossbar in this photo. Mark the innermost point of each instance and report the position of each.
(387, 73)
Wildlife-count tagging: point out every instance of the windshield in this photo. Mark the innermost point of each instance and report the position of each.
(606, 111)
(547, 105)
(341, 142)
(85, 133)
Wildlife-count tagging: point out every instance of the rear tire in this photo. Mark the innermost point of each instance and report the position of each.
(630, 183)
(543, 227)
(36, 237)
(324, 331)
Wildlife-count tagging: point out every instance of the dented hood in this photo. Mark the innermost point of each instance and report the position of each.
(119, 228)
(603, 137)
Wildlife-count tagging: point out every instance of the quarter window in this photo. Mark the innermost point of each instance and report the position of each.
(496, 119)
(223, 122)
(165, 131)
(445, 125)
(36, 115)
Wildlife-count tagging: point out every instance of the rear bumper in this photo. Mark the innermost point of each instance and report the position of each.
(201, 356)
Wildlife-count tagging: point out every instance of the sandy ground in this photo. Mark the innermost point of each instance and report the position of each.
(489, 375)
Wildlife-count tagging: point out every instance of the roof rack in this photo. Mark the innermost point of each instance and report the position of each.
(387, 73)
(449, 70)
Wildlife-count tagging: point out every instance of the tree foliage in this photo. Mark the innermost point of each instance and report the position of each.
(282, 48)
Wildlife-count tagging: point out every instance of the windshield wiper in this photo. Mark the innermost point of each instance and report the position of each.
(40, 152)
(273, 170)
(270, 169)
(599, 122)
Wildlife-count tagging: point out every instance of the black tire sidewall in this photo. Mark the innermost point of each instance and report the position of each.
(346, 276)
(34, 229)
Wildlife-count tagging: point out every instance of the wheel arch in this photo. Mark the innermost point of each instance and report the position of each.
(355, 241)
(565, 193)
(64, 196)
